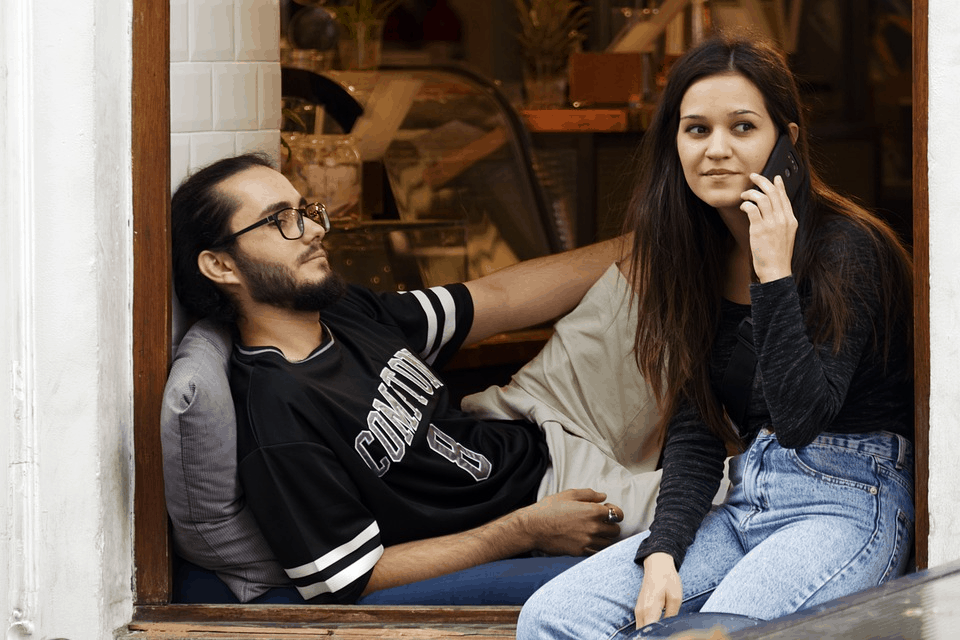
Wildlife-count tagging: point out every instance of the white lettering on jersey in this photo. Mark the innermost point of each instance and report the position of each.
(405, 369)
(392, 380)
(394, 420)
(422, 368)
(397, 414)
(360, 444)
(386, 435)
(389, 422)
(477, 465)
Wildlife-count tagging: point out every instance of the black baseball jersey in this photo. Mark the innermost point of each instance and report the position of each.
(357, 448)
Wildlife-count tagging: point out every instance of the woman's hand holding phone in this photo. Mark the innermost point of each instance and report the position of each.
(773, 221)
(773, 227)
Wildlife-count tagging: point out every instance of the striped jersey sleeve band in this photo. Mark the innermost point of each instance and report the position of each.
(343, 578)
(440, 310)
(339, 567)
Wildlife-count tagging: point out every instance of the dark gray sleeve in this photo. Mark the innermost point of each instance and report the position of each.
(692, 469)
(805, 386)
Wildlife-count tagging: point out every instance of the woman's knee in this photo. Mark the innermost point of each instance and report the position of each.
(564, 611)
(551, 612)
(535, 616)
(593, 599)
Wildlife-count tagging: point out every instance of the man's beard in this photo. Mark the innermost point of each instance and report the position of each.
(274, 284)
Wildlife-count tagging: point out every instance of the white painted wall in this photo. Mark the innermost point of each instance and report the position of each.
(65, 295)
(944, 167)
(66, 388)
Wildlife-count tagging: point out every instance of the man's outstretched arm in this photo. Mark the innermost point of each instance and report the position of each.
(568, 523)
(539, 290)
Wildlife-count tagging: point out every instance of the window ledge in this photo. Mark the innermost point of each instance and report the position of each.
(300, 621)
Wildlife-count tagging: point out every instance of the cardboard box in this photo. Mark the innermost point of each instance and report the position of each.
(606, 78)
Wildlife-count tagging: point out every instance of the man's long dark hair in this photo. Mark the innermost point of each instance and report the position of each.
(681, 243)
(200, 216)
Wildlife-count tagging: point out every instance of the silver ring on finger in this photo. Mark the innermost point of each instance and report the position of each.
(612, 516)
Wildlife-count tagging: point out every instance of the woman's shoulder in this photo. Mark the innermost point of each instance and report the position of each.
(841, 240)
(839, 231)
(862, 253)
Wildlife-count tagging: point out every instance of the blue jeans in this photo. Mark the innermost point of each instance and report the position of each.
(504, 582)
(800, 527)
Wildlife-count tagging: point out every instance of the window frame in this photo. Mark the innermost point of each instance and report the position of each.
(152, 348)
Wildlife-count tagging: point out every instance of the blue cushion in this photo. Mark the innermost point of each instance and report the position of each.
(196, 585)
(505, 582)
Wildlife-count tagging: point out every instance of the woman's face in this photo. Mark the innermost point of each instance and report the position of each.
(725, 134)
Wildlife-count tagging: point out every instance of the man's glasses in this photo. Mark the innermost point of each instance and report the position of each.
(288, 221)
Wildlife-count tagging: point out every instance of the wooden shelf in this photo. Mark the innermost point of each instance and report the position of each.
(609, 120)
(514, 348)
(589, 120)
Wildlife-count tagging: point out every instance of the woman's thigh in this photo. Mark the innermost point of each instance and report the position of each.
(838, 521)
(596, 598)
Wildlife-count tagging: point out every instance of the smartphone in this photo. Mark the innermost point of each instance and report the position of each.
(785, 162)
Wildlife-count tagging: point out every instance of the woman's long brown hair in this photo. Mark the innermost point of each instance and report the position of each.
(681, 244)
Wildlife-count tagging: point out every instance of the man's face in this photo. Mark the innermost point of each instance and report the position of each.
(290, 274)
(275, 284)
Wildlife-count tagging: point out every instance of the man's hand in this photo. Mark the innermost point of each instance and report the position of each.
(573, 522)
(569, 523)
(661, 592)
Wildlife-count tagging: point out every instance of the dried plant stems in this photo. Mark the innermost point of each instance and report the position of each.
(550, 31)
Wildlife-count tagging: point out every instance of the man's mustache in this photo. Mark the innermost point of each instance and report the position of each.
(314, 250)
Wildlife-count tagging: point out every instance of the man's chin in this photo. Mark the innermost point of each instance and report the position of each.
(320, 295)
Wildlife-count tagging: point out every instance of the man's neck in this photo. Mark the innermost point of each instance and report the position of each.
(295, 333)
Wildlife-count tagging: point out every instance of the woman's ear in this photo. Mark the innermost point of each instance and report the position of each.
(218, 266)
(794, 132)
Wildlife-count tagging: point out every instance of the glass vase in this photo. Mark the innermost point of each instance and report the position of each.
(327, 169)
(360, 45)
(545, 84)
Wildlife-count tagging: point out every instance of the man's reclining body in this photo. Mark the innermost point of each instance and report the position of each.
(359, 473)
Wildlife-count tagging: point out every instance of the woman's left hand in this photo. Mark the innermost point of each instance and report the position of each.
(661, 591)
(773, 227)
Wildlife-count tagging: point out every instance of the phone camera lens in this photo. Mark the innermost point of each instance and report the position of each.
(787, 172)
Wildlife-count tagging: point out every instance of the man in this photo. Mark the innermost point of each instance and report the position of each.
(359, 473)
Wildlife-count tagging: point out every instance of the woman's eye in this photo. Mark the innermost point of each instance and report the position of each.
(743, 127)
(696, 129)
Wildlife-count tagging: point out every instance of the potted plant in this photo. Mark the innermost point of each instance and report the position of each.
(361, 36)
(549, 33)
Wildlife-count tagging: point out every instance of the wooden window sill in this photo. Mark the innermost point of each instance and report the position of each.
(302, 621)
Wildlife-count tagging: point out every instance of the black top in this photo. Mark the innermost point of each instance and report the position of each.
(799, 390)
(357, 448)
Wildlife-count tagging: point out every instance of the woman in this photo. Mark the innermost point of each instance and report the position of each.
(821, 498)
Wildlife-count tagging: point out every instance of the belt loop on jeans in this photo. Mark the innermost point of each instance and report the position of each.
(901, 450)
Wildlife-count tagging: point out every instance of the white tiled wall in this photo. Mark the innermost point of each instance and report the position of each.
(224, 86)
(224, 81)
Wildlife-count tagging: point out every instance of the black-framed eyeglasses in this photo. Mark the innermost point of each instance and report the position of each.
(288, 221)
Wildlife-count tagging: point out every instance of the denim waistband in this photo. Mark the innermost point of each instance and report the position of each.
(882, 444)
